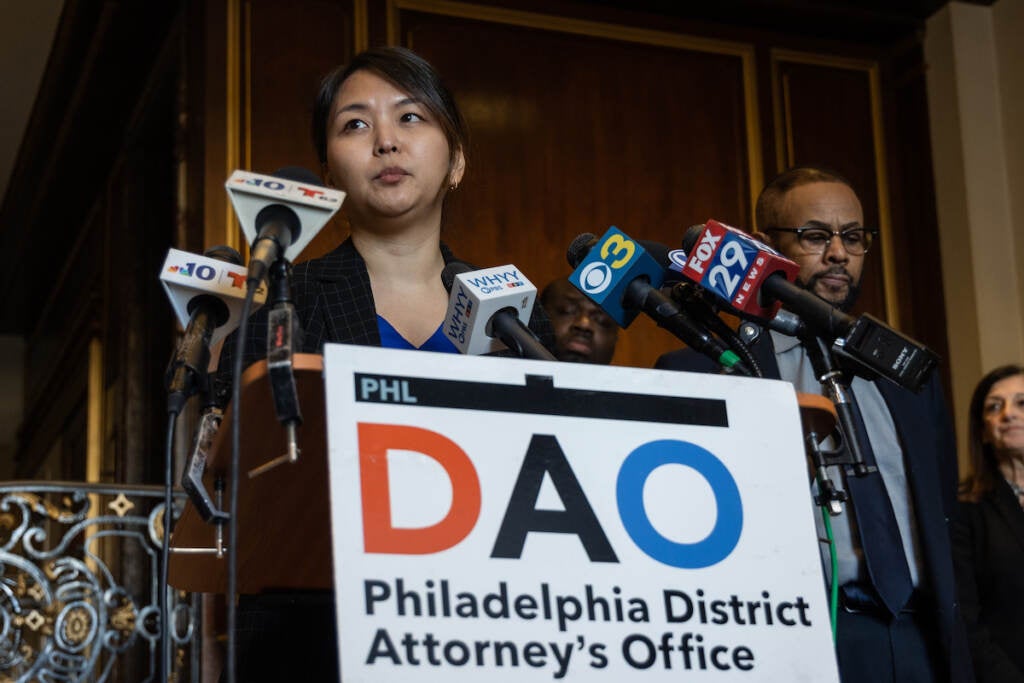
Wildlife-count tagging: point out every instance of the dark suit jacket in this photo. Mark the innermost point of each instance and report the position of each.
(988, 544)
(924, 430)
(334, 303)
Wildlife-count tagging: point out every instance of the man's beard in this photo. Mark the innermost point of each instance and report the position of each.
(852, 289)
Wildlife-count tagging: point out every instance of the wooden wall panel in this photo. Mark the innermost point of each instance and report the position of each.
(918, 288)
(282, 79)
(824, 115)
(647, 137)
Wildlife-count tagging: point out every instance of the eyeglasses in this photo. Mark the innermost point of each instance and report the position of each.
(856, 241)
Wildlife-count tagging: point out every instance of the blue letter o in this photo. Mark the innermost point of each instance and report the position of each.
(629, 493)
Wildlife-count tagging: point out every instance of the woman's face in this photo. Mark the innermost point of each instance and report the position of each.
(1003, 413)
(386, 151)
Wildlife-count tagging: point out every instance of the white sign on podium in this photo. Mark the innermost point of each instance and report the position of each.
(514, 520)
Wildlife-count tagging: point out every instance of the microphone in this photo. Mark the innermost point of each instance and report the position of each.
(207, 294)
(735, 268)
(618, 274)
(788, 323)
(280, 213)
(489, 308)
(755, 281)
(687, 293)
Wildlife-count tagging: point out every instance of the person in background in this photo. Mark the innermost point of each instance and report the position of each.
(988, 538)
(813, 217)
(583, 332)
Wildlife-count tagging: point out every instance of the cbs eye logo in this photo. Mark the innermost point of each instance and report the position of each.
(616, 252)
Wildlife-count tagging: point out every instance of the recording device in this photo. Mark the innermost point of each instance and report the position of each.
(754, 281)
(280, 213)
(488, 310)
(207, 293)
(619, 275)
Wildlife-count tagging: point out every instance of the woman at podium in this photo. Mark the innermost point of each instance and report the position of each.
(388, 133)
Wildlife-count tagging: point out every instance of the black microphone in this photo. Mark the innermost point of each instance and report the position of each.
(205, 300)
(618, 274)
(277, 226)
(693, 297)
(487, 305)
(725, 260)
(788, 323)
(720, 254)
(280, 213)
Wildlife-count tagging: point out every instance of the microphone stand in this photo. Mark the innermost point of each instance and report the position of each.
(210, 416)
(851, 451)
(284, 334)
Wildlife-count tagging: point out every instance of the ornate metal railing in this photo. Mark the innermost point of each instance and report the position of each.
(80, 582)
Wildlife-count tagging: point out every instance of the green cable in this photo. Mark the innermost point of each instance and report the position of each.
(728, 358)
(833, 591)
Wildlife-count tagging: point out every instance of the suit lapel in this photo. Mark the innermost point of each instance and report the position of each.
(914, 432)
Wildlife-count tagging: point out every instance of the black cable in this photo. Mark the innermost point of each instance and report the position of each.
(165, 548)
(232, 551)
(734, 342)
(707, 314)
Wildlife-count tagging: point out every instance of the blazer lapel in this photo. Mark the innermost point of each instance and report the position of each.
(345, 298)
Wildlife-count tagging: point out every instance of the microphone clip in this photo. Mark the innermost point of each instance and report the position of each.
(284, 335)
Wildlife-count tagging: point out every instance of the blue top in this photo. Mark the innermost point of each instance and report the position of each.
(391, 339)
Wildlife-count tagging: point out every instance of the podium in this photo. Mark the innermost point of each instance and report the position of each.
(284, 532)
(284, 539)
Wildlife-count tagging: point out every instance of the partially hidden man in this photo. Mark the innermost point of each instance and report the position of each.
(813, 217)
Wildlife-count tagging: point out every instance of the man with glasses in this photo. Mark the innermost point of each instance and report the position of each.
(813, 217)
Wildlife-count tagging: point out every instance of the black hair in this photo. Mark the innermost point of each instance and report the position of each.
(408, 72)
(766, 213)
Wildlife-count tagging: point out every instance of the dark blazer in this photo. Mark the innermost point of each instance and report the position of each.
(334, 303)
(924, 430)
(988, 545)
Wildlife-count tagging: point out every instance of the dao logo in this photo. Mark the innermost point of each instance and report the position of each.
(544, 460)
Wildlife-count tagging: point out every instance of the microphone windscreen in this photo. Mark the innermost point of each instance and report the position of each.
(657, 250)
(691, 236)
(223, 252)
(299, 174)
(451, 270)
(579, 247)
